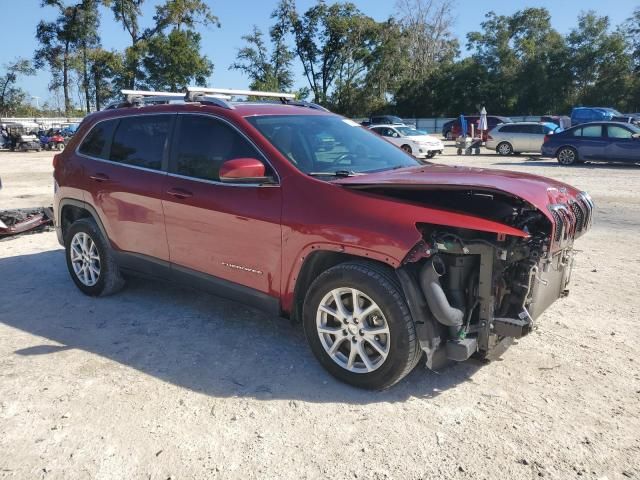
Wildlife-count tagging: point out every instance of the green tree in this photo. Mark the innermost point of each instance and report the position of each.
(324, 38)
(599, 62)
(58, 41)
(11, 96)
(525, 62)
(267, 70)
(173, 61)
(105, 69)
(181, 16)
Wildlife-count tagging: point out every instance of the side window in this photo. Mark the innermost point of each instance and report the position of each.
(140, 141)
(613, 131)
(204, 143)
(577, 132)
(508, 129)
(95, 143)
(592, 131)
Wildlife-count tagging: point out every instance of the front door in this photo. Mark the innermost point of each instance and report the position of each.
(622, 146)
(124, 179)
(229, 231)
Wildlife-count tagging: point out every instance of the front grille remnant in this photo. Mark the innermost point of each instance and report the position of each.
(558, 221)
(573, 218)
(577, 211)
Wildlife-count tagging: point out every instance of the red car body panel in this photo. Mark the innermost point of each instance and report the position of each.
(271, 230)
(230, 232)
(128, 201)
(538, 191)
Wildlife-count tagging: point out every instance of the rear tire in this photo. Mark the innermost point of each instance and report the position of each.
(391, 355)
(504, 149)
(90, 260)
(567, 156)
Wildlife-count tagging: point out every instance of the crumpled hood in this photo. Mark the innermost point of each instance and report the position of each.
(538, 191)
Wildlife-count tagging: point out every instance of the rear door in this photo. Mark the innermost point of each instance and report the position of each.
(124, 161)
(622, 146)
(536, 137)
(229, 231)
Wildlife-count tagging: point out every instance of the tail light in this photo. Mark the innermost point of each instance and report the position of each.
(56, 161)
(546, 139)
(489, 137)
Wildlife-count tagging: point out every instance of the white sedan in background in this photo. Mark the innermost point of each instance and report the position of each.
(412, 141)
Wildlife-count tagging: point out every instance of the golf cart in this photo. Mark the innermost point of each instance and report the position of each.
(22, 137)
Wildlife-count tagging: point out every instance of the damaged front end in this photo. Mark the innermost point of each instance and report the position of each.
(472, 292)
(15, 222)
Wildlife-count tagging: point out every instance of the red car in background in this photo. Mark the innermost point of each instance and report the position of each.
(452, 130)
(308, 215)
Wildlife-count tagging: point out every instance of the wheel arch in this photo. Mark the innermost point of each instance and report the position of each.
(320, 260)
(70, 210)
(567, 145)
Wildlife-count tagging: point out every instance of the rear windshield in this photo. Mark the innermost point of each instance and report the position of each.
(328, 144)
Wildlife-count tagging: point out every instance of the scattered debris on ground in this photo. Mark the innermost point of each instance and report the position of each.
(25, 220)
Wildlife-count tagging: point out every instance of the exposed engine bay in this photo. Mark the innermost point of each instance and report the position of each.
(471, 292)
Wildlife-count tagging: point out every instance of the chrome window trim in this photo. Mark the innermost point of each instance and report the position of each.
(242, 134)
(176, 175)
(105, 160)
(218, 183)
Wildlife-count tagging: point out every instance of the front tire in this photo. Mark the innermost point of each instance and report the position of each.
(90, 260)
(372, 345)
(504, 149)
(406, 148)
(567, 156)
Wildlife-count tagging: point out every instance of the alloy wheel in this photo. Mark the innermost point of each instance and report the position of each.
(566, 156)
(504, 149)
(85, 259)
(353, 330)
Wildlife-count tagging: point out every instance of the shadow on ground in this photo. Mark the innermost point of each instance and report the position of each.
(190, 339)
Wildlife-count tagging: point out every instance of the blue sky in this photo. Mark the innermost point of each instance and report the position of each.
(18, 20)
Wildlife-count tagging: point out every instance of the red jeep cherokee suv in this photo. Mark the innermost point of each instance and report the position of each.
(308, 215)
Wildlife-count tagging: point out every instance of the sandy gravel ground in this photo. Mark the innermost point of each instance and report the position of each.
(159, 382)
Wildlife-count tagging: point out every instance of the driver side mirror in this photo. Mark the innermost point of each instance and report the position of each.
(243, 170)
(396, 135)
(636, 136)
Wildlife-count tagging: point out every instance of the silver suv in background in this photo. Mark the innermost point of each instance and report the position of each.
(518, 137)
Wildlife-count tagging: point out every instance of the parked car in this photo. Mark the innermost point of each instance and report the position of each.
(598, 141)
(561, 121)
(383, 120)
(453, 131)
(518, 137)
(598, 114)
(446, 130)
(307, 215)
(416, 142)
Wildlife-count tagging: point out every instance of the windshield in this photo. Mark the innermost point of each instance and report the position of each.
(614, 112)
(409, 132)
(326, 144)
